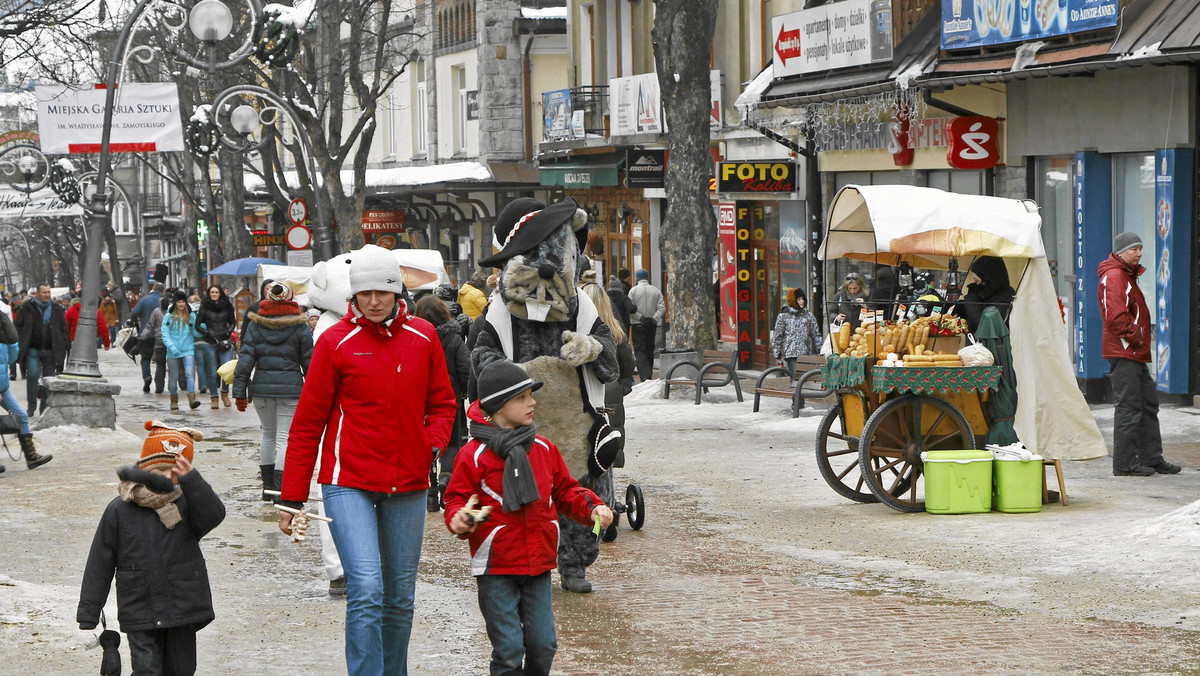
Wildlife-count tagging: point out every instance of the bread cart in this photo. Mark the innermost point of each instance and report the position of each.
(889, 411)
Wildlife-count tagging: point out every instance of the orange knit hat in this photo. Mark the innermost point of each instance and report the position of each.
(164, 443)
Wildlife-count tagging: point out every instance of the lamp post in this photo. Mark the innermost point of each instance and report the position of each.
(210, 21)
(236, 124)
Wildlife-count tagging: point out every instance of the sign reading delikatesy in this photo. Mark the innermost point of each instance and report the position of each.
(146, 118)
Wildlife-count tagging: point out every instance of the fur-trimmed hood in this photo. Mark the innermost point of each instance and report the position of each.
(278, 322)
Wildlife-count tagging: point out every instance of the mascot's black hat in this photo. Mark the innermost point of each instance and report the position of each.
(524, 223)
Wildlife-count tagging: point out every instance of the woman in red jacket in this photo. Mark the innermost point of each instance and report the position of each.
(378, 404)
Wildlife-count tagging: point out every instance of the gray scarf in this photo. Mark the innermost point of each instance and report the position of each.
(520, 487)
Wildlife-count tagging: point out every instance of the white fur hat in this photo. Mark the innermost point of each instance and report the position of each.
(375, 269)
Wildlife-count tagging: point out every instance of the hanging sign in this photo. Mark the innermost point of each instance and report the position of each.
(267, 239)
(145, 118)
(383, 220)
(837, 35)
(645, 167)
(727, 269)
(974, 143)
(778, 176)
(43, 203)
(975, 23)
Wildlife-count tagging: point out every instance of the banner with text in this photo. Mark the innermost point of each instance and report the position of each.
(975, 23)
(42, 204)
(146, 118)
(839, 35)
(635, 104)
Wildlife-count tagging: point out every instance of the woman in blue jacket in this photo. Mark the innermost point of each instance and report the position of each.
(8, 355)
(179, 336)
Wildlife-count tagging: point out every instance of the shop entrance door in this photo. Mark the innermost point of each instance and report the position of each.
(766, 299)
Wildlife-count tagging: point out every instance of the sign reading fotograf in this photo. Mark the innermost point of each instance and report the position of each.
(975, 23)
(145, 118)
(837, 35)
(757, 177)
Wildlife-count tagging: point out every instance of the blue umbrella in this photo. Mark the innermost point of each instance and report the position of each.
(243, 267)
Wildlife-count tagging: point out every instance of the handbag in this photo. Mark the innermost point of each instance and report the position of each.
(226, 371)
(10, 423)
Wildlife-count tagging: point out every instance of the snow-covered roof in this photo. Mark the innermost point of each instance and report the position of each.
(396, 177)
(752, 94)
(544, 13)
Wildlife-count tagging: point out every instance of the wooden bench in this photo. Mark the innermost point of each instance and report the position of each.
(716, 368)
(807, 384)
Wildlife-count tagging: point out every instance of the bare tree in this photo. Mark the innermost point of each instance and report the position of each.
(683, 32)
(48, 39)
(352, 52)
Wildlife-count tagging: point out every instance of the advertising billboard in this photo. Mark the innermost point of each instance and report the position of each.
(976, 23)
(837, 35)
(146, 118)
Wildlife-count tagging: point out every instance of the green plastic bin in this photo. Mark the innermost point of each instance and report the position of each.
(1017, 485)
(958, 482)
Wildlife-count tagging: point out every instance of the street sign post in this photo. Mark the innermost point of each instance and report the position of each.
(297, 211)
(298, 237)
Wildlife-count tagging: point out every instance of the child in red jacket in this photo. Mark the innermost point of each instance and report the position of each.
(523, 479)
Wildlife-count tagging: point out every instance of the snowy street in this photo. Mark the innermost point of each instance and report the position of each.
(748, 562)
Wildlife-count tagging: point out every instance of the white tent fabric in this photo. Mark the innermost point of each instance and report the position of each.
(926, 227)
(1052, 417)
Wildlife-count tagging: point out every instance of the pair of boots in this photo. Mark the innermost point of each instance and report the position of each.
(224, 398)
(32, 458)
(192, 401)
(272, 480)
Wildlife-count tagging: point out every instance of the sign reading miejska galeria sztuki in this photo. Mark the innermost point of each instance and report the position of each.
(146, 118)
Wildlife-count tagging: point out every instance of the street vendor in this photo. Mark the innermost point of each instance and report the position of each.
(992, 290)
(851, 299)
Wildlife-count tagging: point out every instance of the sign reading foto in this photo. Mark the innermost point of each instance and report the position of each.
(756, 177)
(145, 118)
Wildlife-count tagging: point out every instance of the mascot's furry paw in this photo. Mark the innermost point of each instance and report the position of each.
(579, 220)
(579, 349)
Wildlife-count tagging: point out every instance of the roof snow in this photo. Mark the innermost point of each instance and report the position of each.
(752, 94)
(395, 177)
(544, 13)
(296, 16)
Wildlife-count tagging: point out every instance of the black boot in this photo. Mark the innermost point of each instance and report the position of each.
(268, 480)
(2, 470)
(146, 385)
(32, 459)
(277, 483)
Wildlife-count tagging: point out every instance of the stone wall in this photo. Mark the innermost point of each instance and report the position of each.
(501, 87)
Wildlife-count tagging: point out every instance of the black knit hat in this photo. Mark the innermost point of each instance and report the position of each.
(500, 381)
(524, 223)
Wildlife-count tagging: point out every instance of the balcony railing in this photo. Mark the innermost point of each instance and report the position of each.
(152, 203)
(593, 101)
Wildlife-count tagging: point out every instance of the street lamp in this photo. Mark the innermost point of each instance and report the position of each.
(210, 21)
(234, 126)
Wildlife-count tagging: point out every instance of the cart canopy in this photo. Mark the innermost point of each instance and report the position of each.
(926, 227)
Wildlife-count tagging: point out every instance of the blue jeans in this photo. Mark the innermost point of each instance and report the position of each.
(208, 360)
(275, 414)
(378, 536)
(10, 402)
(520, 622)
(188, 363)
(38, 363)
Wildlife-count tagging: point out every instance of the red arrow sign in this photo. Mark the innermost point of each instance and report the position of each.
(787, 45)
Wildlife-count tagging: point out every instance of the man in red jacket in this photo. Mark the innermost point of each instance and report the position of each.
(1137, 441)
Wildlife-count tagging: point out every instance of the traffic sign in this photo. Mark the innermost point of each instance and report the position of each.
(297, 211)
(298, 237)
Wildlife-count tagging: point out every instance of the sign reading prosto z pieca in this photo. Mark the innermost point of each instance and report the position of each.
(776, 176)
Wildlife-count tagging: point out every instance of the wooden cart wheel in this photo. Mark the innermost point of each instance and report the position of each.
(893, 439)
(838, 458)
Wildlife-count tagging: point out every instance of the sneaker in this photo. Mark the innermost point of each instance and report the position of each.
(337, 587)
(1165, 467)
(1135, 471)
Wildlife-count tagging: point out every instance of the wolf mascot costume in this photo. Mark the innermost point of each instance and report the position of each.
(537, 319)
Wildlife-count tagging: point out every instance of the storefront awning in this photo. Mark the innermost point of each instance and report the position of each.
(582, 174)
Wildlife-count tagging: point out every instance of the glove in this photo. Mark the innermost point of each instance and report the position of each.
(87, 626)
(649, 323)
(241, 404)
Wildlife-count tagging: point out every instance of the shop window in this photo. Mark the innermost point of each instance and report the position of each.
(1055, 177)
(420, 115)
(1133, 211)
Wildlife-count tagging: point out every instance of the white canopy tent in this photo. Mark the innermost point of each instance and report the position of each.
(927, 227)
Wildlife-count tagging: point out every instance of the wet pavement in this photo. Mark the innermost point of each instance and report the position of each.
(748, 563)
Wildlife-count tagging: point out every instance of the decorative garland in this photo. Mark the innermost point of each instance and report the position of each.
(276, 43)
(64, 184)
(201, 136)
(845, 123)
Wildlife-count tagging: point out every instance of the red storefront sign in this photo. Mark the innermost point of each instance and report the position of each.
(383, 220)
(974, 143)
(727, 268)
